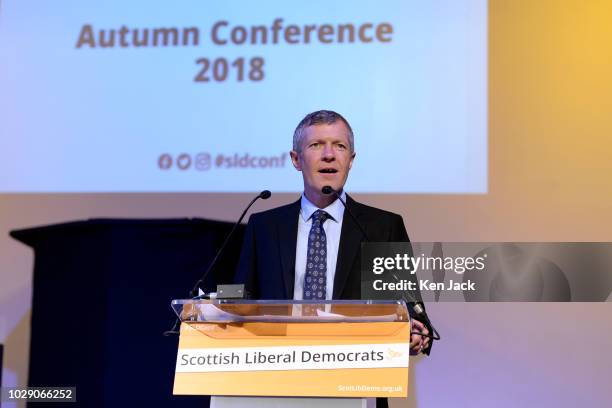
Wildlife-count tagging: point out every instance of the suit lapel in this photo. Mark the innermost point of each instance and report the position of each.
(350, 243)
(287, 241)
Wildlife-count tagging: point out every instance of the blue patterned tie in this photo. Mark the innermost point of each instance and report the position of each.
(315, 278)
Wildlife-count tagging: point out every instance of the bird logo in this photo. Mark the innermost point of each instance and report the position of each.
(394, 354)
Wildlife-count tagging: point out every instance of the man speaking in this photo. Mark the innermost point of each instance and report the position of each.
(310, 249)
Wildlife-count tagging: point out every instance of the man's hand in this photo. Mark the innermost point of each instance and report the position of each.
(418, 343)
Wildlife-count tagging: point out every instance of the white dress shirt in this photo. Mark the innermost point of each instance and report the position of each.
(332, 227)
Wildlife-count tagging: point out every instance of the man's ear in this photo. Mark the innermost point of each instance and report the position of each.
(295, 159)
(352, 158)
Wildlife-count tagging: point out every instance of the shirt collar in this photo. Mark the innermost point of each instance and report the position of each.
(335, 209)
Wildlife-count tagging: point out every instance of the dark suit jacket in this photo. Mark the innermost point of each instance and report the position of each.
(267, 261)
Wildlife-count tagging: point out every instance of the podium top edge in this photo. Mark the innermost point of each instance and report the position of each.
(285, 302)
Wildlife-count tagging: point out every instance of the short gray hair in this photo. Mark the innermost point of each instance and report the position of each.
(321, 117)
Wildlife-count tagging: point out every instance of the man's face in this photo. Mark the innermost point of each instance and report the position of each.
(325, 158)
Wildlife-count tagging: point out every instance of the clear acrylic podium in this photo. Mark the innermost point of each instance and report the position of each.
(271, 353)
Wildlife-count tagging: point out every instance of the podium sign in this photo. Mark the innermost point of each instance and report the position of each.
(293, 348)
